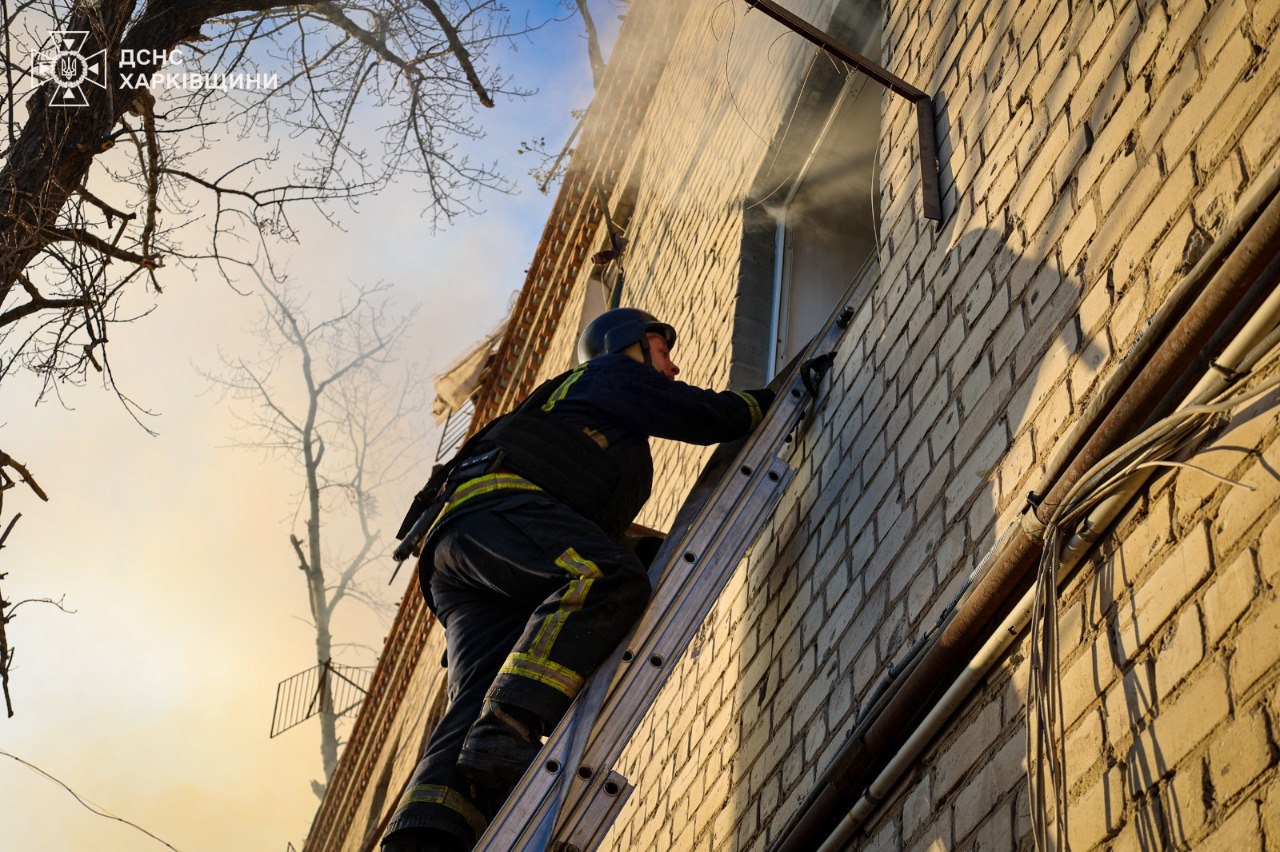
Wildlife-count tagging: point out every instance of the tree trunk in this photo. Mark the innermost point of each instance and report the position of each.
(328, 717)
(319, 605)
(52, 154)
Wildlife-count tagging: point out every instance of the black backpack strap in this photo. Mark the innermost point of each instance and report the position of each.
(440, 473)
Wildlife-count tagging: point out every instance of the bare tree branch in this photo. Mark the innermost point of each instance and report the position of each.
(422, 67)
(7, 613)
(89, 806)
(594, 55)
(551, 167)
(459, 51)
(348, 431)
(24, 476)
(93, 241)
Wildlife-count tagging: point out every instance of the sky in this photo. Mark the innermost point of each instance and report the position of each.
(154, 698)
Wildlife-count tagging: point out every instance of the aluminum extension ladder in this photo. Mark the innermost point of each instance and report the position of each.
(570, 796)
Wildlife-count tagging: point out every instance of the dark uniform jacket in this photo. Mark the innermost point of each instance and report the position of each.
(582, 438)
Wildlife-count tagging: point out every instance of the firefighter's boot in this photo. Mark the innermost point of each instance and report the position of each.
(500, 746)
(422, 840)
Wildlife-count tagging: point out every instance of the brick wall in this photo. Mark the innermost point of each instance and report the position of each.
(1169, 682)
(1092, 152)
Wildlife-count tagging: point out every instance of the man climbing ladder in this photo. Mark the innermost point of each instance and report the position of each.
(524, 565)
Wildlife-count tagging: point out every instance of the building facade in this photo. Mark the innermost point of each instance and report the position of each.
(1093, 154)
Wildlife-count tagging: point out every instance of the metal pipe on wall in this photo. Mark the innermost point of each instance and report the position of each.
(1250, 208)
(1257, 338)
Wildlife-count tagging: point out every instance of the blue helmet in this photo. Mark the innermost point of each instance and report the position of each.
(617, 329)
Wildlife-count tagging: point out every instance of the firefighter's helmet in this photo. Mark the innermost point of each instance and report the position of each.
(617, 329)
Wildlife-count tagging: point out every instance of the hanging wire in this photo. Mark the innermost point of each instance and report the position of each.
(728, 81)
(1155, 447)
(95, 809)
(1045, 746)
(875, 196)
(786, 129)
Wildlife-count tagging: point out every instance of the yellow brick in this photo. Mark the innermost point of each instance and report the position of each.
(1079, 234)
(1156, 597)
(973, 741)
(1269, 550)
(1086, 678)
(1271, 817)
(1238, 833)
(1214, 87)
(1003, 771)
(1128, 704)
(1143, 235)
(1171, 94)
(1097, 813)
(1261, 136)
(916, 808)
(1180, 650)
(1129, 314)
(1148, 39)
(1082, 747)
(1186, 792)
(1257, 646)
(1239, 754)
(1117, 178)
(1177, 728)
(1229, 596)
(1225, 17)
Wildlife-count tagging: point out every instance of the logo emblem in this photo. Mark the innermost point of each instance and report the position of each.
(61, 60)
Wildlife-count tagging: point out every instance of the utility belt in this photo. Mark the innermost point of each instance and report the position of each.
(481, 474)
(486, 481)
(481, 465)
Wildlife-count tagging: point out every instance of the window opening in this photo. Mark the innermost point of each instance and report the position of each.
(930, 168)
(825, 229)
(594, 300)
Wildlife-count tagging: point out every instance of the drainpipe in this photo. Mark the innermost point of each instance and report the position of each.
(1157, 328)
(966, 643)
(1259, 336)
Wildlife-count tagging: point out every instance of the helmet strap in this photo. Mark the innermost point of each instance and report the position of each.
(644, 349)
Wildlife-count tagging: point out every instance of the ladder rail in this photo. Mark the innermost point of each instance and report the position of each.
(621, 718)
(527, 819)
(561, 793)
(681, 620)
(530, 803)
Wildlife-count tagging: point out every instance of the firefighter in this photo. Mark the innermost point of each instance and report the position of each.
(525, 567)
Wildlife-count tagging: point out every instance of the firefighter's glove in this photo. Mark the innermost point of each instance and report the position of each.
(763, 397)
(813, 370)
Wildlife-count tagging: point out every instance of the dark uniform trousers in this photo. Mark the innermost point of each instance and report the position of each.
(533, 597)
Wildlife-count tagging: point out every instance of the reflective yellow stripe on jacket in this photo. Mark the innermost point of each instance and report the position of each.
(481, 485)
(756, 414)
(563, 390)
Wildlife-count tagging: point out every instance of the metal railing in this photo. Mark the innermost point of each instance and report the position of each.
(320, 688)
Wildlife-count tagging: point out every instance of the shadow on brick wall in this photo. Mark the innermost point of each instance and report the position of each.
(952, 386)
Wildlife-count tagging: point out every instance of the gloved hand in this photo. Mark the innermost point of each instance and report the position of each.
(763, 397)
(813, 370)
